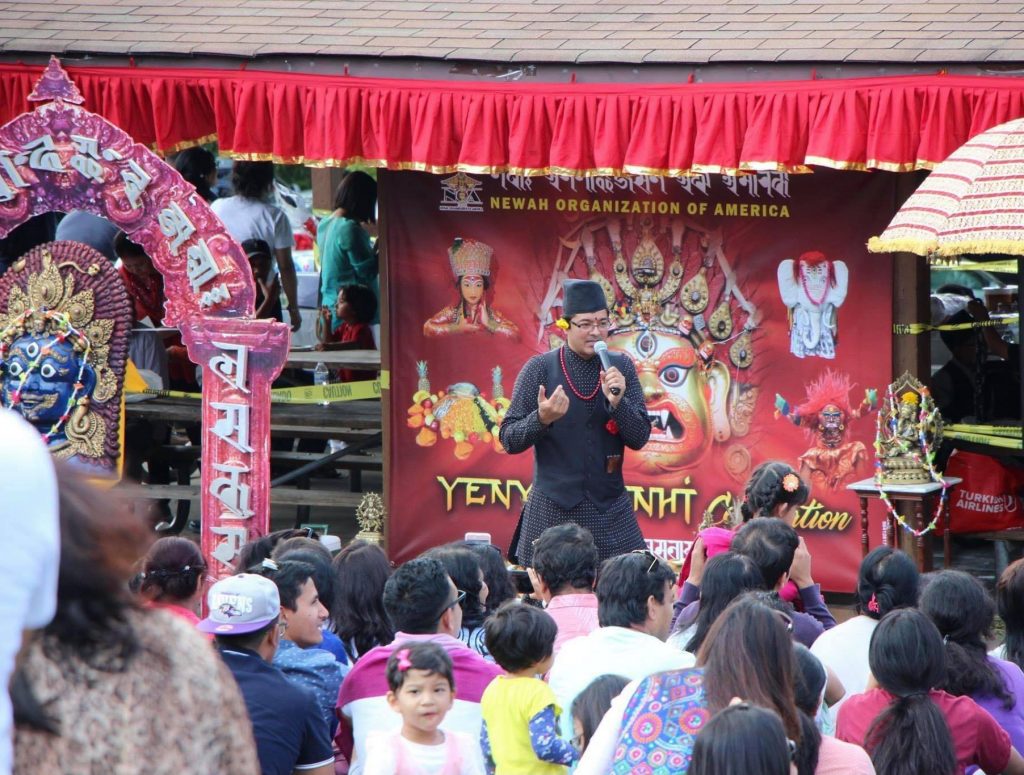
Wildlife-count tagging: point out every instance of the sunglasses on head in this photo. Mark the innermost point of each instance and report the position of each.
(647, 554)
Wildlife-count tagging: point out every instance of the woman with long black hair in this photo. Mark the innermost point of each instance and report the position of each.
(742, 739)
(361, 570)
(906, 724)
(963, 611)
(748, 653)
(726, 577)
(888, 579)
(1010, 603)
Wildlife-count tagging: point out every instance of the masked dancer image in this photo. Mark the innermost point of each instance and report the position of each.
(578, 417)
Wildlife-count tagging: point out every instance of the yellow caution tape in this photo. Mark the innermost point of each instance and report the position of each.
(308, 394)
(1009, 431)
(991, 441)
(330, 393)
(922, 328)
(951, 265)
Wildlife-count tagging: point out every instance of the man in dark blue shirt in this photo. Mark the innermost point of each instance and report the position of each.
(291, 735)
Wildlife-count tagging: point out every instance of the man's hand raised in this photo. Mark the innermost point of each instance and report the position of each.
(553, 408)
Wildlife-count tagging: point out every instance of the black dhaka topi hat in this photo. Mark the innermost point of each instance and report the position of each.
(582, 296)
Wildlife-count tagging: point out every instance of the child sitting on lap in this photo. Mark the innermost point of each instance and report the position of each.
(421, 688)
(520, 712)
(354, 310)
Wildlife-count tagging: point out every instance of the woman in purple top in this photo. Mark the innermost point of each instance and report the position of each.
(963, 611)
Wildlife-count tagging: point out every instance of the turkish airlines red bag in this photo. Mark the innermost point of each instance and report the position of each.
(987, 499)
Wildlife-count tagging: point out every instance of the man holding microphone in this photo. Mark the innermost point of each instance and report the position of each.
(578, 408)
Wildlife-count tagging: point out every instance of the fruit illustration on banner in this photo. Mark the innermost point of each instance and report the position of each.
(461, 413)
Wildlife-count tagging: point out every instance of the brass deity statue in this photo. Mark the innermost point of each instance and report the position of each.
(909, 431)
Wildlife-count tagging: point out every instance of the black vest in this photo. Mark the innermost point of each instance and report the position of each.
(571, 458)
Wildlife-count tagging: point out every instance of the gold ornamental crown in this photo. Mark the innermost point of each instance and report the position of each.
(467, 256)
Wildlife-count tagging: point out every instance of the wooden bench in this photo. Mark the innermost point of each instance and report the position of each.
(279, 496)
(1001, 540)
(354, 464)
(185, 456)
(303, 499)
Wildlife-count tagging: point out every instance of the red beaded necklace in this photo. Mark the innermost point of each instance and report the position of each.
(568, 379)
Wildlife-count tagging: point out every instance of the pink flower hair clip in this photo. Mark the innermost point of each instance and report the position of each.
(403, 660)
(791, 482)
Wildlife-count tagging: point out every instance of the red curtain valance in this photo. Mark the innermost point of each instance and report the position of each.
(899, 123)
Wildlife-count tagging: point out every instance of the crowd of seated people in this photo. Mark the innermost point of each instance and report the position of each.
(308, 662)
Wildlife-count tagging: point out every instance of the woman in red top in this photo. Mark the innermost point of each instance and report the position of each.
(145, 287)
(907, 726)
(355, 309)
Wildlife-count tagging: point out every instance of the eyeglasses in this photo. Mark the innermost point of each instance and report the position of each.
(577, 742)
(590, 325)
(457, 601)
(648, 555)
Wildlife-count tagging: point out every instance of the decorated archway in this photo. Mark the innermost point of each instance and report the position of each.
(61, 157)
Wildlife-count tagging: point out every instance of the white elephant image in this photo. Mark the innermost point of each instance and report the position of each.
(813, 288)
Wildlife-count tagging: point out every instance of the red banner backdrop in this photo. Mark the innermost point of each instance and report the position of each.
(755, 316)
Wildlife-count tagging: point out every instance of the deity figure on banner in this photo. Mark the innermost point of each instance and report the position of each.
(471, 264)
(813, 288)
(64, 325)
(825, 415)
(678, 312)
(909, 432)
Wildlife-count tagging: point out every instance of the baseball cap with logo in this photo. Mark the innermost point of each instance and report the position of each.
(241, 604)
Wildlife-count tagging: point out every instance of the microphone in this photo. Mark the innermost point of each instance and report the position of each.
(606, 363)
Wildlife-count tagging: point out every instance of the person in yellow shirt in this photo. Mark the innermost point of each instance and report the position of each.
(519, 735)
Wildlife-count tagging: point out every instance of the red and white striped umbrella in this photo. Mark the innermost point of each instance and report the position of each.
(972, 203)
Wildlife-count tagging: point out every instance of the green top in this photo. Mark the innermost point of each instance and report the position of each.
(346, 258)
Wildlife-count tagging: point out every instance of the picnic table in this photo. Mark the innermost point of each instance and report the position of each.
(357, 423)
(357, 360)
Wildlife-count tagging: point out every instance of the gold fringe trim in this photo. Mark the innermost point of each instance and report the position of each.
(744, 168)
(872, 164)
(906, 245)
(181, 146)
(932, 247)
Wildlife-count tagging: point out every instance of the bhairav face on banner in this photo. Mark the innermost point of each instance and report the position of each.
(585, 330)
(677, 395)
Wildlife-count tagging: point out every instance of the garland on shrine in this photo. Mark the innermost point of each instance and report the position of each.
(925, 419)
(62, 322)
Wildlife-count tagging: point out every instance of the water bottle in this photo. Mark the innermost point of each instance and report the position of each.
(321, 376)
